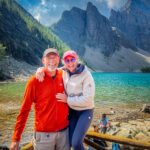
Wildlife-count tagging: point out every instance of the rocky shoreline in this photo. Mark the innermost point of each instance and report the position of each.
(128, 121)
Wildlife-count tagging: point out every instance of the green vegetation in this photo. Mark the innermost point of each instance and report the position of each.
(41, 32)
(2, 51)
(145, 70)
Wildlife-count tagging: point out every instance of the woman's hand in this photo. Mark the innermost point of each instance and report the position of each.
(62, 97)
(40, 74)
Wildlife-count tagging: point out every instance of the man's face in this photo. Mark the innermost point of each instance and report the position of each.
(51, 62)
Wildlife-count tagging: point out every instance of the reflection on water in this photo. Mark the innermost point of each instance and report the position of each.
(7, 124)
(11, 96)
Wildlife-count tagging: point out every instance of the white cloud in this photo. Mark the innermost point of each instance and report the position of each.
(113, 3)
(43, 14)
(54, 6)
(100, 1)
(46, 13)
(43, 2)
(37, 17)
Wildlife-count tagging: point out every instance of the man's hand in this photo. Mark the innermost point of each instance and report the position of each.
(62, 97)
(40, 74)
(14, 146)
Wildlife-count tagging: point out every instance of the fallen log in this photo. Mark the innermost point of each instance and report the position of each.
(28, 147)
(117, 139)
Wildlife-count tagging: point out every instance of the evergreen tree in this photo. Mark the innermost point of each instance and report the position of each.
(2, 51)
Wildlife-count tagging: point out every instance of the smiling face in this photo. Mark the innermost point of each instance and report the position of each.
(51, 62)
(71, 63)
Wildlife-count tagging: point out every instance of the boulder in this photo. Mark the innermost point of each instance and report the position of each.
(146, 108)
(143, 137)
(117, 124)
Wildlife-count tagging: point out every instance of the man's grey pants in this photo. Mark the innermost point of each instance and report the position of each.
(51, 140)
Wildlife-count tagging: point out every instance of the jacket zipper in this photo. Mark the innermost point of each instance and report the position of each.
(56, 103)
(67, 83)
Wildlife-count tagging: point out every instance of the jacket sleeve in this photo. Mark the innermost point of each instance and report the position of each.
(29, 97)
(87, 93)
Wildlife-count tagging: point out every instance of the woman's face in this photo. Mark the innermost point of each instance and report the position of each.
(71, 63)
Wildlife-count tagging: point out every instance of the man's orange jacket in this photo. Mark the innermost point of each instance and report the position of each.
(50, 114)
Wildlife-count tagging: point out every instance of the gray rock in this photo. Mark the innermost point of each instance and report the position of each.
(71, 28)
(134, 21)
(18, 70)
(99, 33)
(142, 136)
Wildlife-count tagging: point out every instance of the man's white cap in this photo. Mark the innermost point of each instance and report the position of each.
(50, 50)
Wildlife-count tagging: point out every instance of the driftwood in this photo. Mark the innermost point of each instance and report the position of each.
(28, 147)
(120, 140)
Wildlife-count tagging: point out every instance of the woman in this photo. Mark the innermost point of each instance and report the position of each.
(80, 90)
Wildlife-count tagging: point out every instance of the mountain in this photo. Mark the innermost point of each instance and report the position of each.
(25, 39)
(101, 46)
(71, 28)
(99, 41)
(79, 28)
(134, 21)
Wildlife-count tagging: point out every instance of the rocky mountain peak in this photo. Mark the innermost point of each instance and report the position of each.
(95, 20)
(74, 12)
(92, 36)
(134, 21)
(137, 4)
(92, 10)
(88, 27)
(98, 31)
(91, 7)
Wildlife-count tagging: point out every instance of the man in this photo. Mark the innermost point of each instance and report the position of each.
(51, 116)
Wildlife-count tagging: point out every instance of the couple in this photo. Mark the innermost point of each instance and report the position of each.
(52, 93)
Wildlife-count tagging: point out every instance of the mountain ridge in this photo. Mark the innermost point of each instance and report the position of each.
(97, 35)
(133, 20)
(24, 37)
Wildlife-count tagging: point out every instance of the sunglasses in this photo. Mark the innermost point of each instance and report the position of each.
(70, 60)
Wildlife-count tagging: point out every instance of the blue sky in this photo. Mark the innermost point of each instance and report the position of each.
(48, 12)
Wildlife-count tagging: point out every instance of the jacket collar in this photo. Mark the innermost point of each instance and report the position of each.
(48, 74)
(79, 69)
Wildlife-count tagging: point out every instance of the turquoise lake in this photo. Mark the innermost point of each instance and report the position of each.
(122, 88)
(111, 89)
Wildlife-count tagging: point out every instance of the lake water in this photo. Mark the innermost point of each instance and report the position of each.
(111, 89)
(122, 88)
